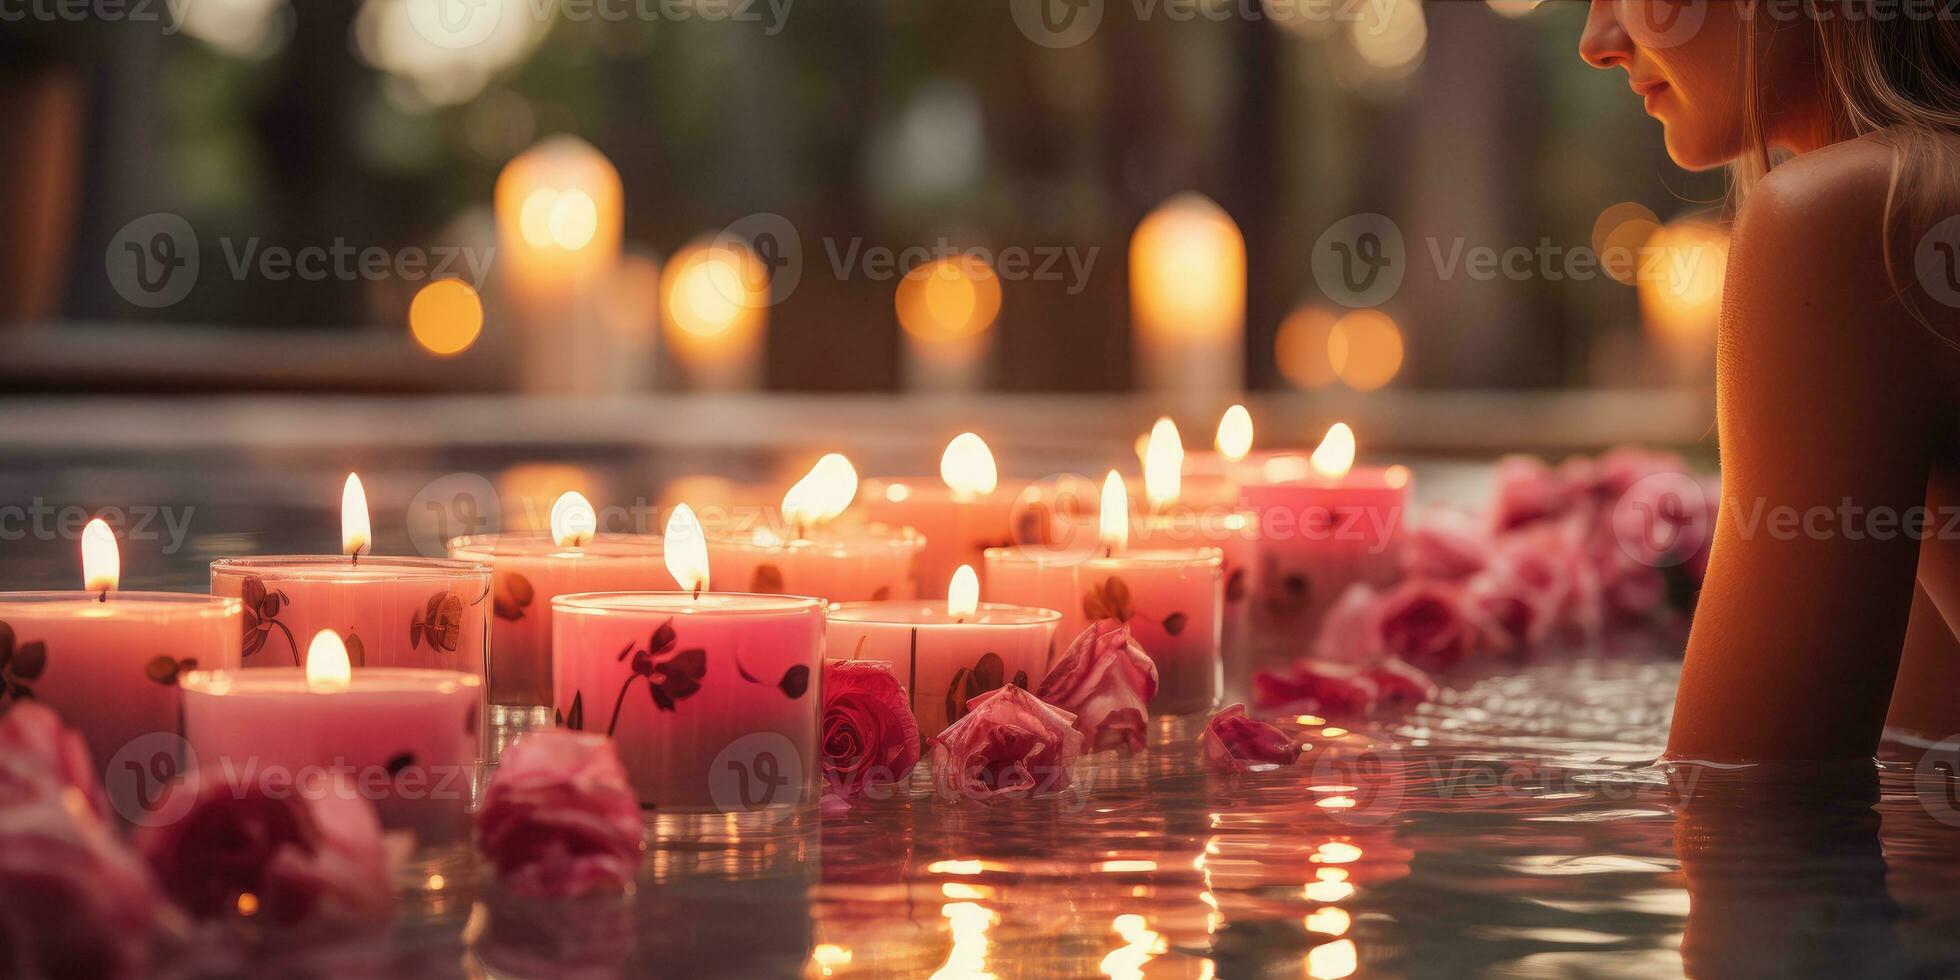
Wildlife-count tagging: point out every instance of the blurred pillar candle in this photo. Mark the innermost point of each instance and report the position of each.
(110, 662)
(1187, 300)
(527, 571)
(405, 739)
(1172, 599)
(961, 514)
(714, 309)
(808, 555)
(947, 652)
(1321, 532)
(711, 697)
(559, 208)
(947, 309)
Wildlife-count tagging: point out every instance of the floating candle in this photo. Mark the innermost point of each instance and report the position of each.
(817, 558)
(711, 697)
(405, 739)
(109, 663)
(950, 651)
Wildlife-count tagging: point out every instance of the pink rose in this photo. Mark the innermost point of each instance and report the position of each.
(1445, 545)
(1428, 625)
(561, 819)
(75, 901)
(1350, 631)
(1235, 743)
(1106, 680)
(307, 856)
(1009, 745)
(1529, 491)
(39, 755)
(1339, 690)
(869, 735)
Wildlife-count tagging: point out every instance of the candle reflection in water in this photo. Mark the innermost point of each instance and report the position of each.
(969, 922)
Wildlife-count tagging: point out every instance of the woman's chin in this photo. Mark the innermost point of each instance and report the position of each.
(1691, 153)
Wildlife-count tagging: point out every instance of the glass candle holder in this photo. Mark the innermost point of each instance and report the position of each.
(110, 664)
(1172, 600)
(391, 612)
(946, 660)
(871, 562)
(527, 571)
(711, 698)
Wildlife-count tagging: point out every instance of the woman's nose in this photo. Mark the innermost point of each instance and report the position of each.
(1605, 43)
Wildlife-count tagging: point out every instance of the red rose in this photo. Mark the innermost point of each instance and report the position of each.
(1107, 681)
(306, 856)
(1235, 743)
(561, 818)
(869, 735)
(1427, 625)
(41, 756)
(1341, 690)
(1009, 745)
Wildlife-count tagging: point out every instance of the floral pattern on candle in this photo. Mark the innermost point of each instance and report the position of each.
(20, 665)
(262, 607)
(1110, 599)
(989, 673)
(511, 594)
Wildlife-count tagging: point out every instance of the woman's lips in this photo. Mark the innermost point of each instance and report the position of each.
(1650, 92)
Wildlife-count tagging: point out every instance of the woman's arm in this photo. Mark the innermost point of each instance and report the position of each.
(1826, 421)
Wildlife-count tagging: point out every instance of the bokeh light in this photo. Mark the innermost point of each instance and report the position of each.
(1681, 277)
(1513, 9)
(1187, 267)
(714, 304)
(1391, 37)
(1365, 349)
(948, 299)
(1300, 350)
(1618, 236)
(446, 317)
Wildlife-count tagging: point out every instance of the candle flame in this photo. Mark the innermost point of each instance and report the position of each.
(101, 559)
(968, 466)
(963, 594)
(1336, 453)
(1115, 516)
(355, 533)
(1163, 464)
(326, 663)
(573, 522)
(687, 550)
(822, 494)
(1234, 439)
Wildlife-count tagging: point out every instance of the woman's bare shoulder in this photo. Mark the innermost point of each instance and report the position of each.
(1832, 198)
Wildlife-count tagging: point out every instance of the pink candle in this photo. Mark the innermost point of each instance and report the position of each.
(1321, 532)
(961, 514)
(527, 571)
(947, 652)
(808, 554)
(110, 663)
(404, 739)
(711, 697)
(1172, 600)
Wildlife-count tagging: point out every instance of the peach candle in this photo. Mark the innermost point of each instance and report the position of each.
(1172, 522)
(948, 652)
(1321, 532)
(527, 571)
(110, 661)
(818, 558)
(404, 739)
(711, 697)
(961, 514)
(1172, 600)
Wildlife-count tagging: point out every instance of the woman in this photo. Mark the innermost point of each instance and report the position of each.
(1838, 372)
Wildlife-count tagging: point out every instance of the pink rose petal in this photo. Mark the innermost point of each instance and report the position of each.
(561, 818)
(1107, 681)
(1233, 742)
(39, 754)
(1009, 745)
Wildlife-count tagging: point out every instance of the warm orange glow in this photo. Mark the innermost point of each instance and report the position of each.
(1681, 275)
(715, 301)
(968, 468)
(559, 214)
(948, 299)
(686, 550)
(1187, 269)
(326, 663)
(1234, 439)
(1365, 349)
(1141, 944)
(1337, 852)
(1329, 921)
(629, 301)
(445, 317)
(1619, 235)
(355, 534)
(101, 559)
(1300, 349)
(573, 521)
(1390, 43)
(1336, 453)
(969, 922)
(963, 593)
(526, 492)
(822, 494)
(1163, 464)
(1332, 961)
(1114, 521)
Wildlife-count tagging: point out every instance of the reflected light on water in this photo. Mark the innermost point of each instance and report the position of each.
(827, 957)
(1337, 852)
(1334, 960)
(1332, 886)
(1329, 921)
(1140, 946)
(968, 959)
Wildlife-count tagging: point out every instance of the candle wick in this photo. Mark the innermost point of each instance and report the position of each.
(1109, 551)
(104, 597)
(697, 592)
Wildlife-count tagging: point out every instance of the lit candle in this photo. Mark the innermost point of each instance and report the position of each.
(1187, 299)
(527, 571)
(390, 612)
(812, 555)
(1323, 526)
(1174, 521)
(948, 651)
(711, 697)
(1172, 599)
(110, 661)
(961, 514)
(715, 310)
(405, 739)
